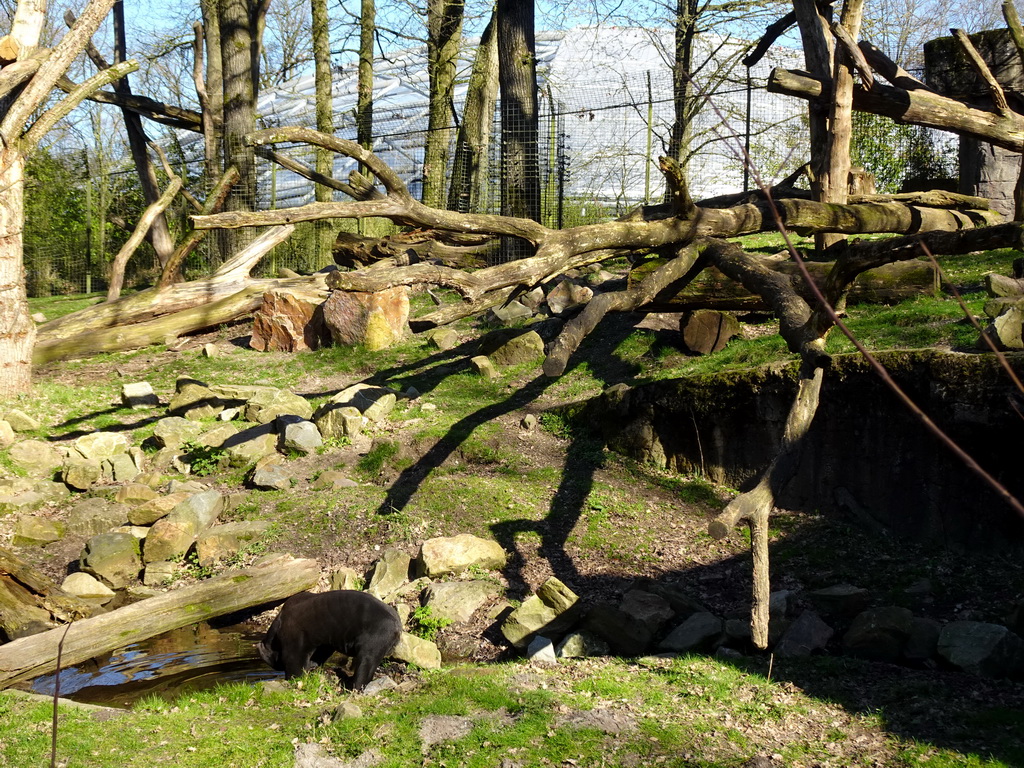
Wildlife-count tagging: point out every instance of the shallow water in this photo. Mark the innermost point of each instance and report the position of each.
(189, 659)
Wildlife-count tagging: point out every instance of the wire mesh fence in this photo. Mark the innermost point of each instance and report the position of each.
(598, 140)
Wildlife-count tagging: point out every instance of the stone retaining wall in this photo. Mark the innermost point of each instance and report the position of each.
(867, 455)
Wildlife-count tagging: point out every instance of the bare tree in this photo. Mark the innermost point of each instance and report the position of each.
(27, 83)
(517, 77)
(324, 118)
(444, 39)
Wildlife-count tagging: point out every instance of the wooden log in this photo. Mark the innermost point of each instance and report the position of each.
(156, 331)
(10, 50)
(289, 320)
(454, 312)
(708, 330)
(711, 289)
(29, 657)
(919, 107)
(671, 274)
(467, 284)
(158, 111)
(351, 250)
(14, 75)
(31, 600)
(231, 277)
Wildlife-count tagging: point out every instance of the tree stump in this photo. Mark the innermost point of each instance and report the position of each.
(289, 321)
(707, 330)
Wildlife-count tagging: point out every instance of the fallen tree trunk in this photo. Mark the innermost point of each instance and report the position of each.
(351, 250)
(30, 657)
(711, 289)
(228, 280)
(169, 326)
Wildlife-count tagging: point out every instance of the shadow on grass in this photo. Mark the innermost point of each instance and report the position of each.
(944, 709)
(568, 501)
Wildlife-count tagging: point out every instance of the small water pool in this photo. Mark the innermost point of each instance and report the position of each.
(193, 658)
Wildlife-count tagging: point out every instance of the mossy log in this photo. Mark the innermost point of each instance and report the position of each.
(355, 251)
(711, 289)
(29, 657)
(229, 279)
(154, 315)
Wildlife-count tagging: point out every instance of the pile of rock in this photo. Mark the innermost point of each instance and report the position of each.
(276, 423)
(256, 426)
(1005, 308)
(656, 618)
(435, 578)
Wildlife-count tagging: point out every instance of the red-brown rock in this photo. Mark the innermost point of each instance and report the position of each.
(288, 322)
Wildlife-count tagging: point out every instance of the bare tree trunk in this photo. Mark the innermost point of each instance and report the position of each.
(324, 123)
(364, 96)
(817, 43)
(835, 173)
(444, 36)
(159, 234)
(520, 162)
(240, 81)
(469, 169)
(17, 331)
(213, 122)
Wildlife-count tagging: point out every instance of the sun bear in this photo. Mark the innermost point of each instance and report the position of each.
(311, 626)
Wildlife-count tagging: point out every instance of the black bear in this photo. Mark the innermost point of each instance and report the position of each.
(311, 626)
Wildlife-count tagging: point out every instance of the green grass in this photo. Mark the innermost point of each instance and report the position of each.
(688, 711)
(377, 458)
(54, 307)
(586, 713)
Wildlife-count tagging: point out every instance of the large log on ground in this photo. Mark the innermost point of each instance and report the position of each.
(230, 278)
(30, 657)
(155, 331)
(706, 331)
(713, 290)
